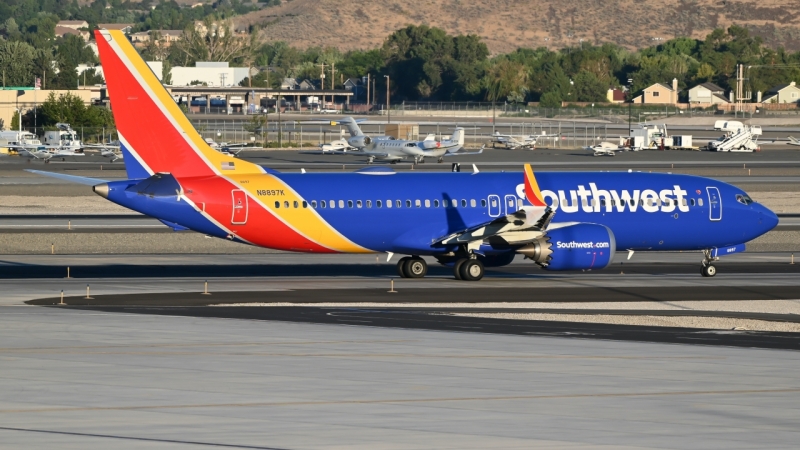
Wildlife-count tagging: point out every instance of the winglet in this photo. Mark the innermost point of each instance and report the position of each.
(532, 191)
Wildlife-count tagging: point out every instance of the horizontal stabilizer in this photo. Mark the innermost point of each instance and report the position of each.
(71, 178)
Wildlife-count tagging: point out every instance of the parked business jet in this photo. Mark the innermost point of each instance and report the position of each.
(559, 220)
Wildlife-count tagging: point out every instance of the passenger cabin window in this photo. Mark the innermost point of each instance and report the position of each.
(369, 203)
(286, 204)
(305, 204)
(349, 203)
(314, 204)
(322, 203)
(427, 203)
(399, 203)
(417, 203)
(436, 203)
(700, 202)
(455, 203)
(341, 203)
(463, 203)
(378, 204)
(358, 203)
(691, 202)
(408, 203)
(294, 203)
(483, 203)
(277, 205)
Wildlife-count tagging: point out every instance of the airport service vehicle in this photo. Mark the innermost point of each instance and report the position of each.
(19, 138)
(559, 220)
(654, 137)
(738, 137)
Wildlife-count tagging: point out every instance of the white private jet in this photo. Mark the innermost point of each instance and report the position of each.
(794, 141)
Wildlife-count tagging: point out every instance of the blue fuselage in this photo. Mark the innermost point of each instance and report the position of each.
(408, 212)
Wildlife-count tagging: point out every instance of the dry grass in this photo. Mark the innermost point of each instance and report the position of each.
(508, 24)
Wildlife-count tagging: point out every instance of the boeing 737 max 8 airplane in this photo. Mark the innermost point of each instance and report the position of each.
(559, 220)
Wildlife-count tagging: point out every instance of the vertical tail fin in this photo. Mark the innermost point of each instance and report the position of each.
(458, 136)
(351, 125)
(532, 191)
(155, 134)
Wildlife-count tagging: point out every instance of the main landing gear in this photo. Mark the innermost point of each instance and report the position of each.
(412, 267)
(708, 270)
(468, 269)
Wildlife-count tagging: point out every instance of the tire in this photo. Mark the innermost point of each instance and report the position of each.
(471, 270)
(457, 268)
(416, 268)
(401, 266)
(709, 271)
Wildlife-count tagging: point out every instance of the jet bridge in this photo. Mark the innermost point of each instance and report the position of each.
(738, 137)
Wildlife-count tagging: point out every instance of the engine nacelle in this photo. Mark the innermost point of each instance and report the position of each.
(583, 246)
(429, 145)
(359, 141)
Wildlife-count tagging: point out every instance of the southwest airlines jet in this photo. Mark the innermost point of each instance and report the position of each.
(561, 221)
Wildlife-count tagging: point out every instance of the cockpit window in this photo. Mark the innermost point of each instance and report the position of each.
(743, 199)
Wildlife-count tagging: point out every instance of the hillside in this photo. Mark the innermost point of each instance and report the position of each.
(508, 24)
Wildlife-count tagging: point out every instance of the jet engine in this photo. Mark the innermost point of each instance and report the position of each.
(582, 246)
(359, 141)
(429, 145)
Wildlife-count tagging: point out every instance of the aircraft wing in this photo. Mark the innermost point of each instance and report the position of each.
(71, 178)
(458, 153)
(327, 152)
(519, 228)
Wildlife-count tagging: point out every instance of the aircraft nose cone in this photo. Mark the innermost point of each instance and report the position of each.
(101, 190)
(768, 219)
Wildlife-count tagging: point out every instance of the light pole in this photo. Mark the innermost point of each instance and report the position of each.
(388, 110)
(630, 102)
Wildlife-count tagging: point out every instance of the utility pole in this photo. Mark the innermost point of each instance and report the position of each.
(333, 81)
(630, 102)
(280, 127)
(388, 110)
(367, 89)
(322, 78)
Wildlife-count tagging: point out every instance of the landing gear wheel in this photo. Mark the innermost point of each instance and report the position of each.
(440, 160)
(709, 271)
(401, 266)
(416, 267)
(457, 268)
(471, 270)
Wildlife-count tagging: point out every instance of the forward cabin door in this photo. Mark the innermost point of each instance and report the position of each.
(239, 216)
(714, 204)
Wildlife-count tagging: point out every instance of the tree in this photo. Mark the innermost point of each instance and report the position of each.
(15, 121)
(69, 108)
(166, 73)
(550, 100)
(506, 79)
(214, 41)
(16, 62)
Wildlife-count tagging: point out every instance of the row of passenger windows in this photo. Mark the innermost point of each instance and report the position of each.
(453, 203)
(657, 202)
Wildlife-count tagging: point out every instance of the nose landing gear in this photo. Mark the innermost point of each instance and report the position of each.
(708, 270)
